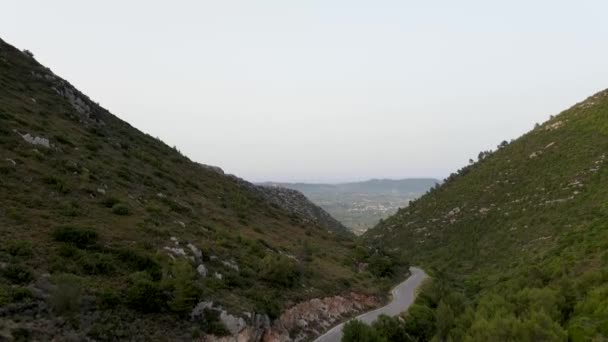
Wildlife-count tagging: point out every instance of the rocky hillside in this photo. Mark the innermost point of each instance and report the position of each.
(292, 201)
(108, 233)
(517, 241)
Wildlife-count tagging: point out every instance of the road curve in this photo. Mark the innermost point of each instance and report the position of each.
(403, 296)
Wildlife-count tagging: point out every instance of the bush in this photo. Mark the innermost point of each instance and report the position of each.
(109, 202)
(57, 183)
(420, 322)
(121, 209)
(13, 294)
(17, 274)
(67, 295)
(79, 237)
(381, 266)
(280, 270)
(357, 331)
(211, 323)
(140, 262)
(144, 294)
(267, 303)
(391, 329)
(185, 292)
(19, 248)
(96, 263)
(108, 299)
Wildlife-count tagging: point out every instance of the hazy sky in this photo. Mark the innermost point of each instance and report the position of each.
(323, 90)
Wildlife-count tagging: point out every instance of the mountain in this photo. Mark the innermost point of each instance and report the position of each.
(110, 234)
(517, 242)
(292, 201)
(360, 205)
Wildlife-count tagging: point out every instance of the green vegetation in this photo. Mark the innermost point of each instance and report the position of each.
(103, 221)
(516, 242)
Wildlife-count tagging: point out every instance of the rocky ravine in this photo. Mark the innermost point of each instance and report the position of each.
(299, 323)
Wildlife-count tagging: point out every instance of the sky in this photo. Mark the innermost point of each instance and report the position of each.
(323, 91)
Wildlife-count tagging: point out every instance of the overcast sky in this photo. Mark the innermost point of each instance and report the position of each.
(323, 90)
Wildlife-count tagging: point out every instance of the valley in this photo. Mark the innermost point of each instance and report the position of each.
(361, 205)
(110, 233)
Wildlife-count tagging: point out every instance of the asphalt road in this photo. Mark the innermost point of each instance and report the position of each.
(403, 296)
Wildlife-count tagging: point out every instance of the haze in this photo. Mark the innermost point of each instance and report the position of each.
(323, 90)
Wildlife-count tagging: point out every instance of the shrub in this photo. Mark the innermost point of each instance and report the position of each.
(267, 303)
(144, 294)
(185, 292)
(211, 323)
(420, 322)
(140, 262)
(108, 299)
(381, 266)
(19, 248)
(357, 331)
(57, 183)
(109, 202)
(79, 237)
(280, 270)
(96, 263)
(13, 294)
(67, 295)
(121, 209)
(17, 274)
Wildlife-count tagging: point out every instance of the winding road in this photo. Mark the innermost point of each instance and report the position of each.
(403, 296)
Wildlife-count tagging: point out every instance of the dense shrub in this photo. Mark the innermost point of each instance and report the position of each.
(19, 248)
(211, 323)
(356, 331)
(280, 270)
(96, 263)
(13, 294)
(138, 261)
(420, 322)
(121, 209)
(185, 292)
(67, 295)
(17, 274)
(109, 202)
(79, 237)
(144, 294)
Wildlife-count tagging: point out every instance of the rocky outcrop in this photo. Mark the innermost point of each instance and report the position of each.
(290, 200)
(299, 323)
(295, 202)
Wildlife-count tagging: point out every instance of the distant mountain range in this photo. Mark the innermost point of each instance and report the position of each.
(360, 205)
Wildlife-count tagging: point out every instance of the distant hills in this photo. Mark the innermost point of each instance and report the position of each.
(517, 242)
(360, 205)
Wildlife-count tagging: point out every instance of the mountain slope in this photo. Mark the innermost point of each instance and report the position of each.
(520, 237)
(360, 205)
(292, 201)
(111, 234)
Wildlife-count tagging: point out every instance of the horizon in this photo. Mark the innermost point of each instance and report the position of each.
(343, 92)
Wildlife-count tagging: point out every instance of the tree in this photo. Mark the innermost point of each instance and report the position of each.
(381, 265)
(420, 322)
(391, 329)
(444, 316)
(280, 270)
(185, 292)
(357, 331)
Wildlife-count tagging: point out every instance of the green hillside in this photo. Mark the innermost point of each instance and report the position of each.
(108, 233)
(518, 241)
